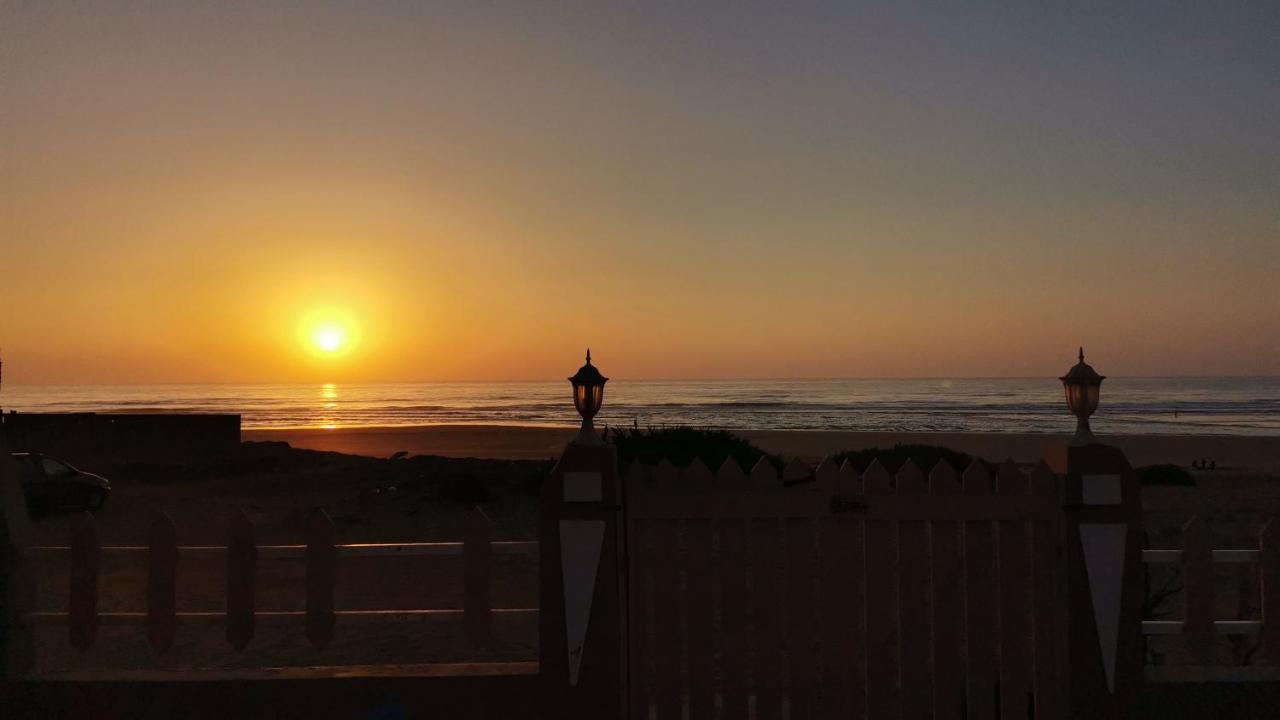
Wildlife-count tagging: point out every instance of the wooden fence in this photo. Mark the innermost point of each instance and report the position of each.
(849, 595)
(318, 619)
(1200, 625)
(816, 592)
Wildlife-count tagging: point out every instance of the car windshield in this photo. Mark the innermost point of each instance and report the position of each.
(55, 468)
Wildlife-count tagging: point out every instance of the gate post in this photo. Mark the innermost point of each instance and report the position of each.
(1102, 613)
(582, 587)
(17, 586)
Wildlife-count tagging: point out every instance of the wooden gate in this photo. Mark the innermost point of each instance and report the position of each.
(832, 593)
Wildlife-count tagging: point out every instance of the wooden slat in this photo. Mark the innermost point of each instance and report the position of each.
(913, 601)
(242, 561)
(666, 477)
(1015, 603)
(842, 640)
(477, 561)
(764, 476)
(322, 568)
(766, 612)
(666, 620)
(82, 615)
(883, 700)
(701, 619)
(948, 602)
(1197, 558)
(1269, 570)
(697, 477)
(638, 614)
(1044, 558)
(825, 476)
(980, 602)
(730, 477)
(162, 582)
(735, 674)
(801, 642)
(797, 472)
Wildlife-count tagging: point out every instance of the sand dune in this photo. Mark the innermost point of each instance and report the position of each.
(505, 441)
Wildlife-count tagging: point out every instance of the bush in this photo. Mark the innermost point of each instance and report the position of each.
(924, 456)
(1165, 475)
(681, 445)
(465, 488)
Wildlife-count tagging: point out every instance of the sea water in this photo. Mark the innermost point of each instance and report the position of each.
(1238, 406)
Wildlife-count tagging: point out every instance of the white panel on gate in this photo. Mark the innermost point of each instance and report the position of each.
(1100, 490)
(580, 545)
(582, 487)
(1103, 545)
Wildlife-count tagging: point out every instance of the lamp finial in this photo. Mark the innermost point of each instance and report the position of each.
(1081, 353)
(588, 356)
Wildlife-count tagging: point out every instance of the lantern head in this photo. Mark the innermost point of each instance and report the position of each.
(1083, 387)
(588, 396)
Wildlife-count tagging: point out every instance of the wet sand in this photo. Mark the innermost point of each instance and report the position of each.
(517, 442)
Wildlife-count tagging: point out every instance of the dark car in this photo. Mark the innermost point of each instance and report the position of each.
(50, 483)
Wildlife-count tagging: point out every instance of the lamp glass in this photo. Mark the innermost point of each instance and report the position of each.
(1082, 398)
(588, 398)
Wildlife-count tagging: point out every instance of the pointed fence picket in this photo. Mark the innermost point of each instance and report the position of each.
(843, 650)
(242, 566)
(1269, 567)
(913, 601)
(1015, 602)
(1045, 587)
(947, 602)
(162, 582)
(83, 599)
(881, 601)
(980, 602)
(735, 683)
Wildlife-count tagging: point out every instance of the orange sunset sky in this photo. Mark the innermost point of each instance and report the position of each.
(192, 192)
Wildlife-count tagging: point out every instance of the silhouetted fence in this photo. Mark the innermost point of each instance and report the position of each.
(816, 592)
(907, 595)
(1201, 627)
(318, 619)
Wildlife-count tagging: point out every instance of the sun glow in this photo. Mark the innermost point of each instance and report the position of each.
(328, 333)
(329, 338)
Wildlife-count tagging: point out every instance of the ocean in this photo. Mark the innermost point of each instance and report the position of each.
(1233, 406)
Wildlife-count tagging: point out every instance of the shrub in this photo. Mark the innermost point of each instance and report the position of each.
(465, 488)
(1165, 475)
(681, 445)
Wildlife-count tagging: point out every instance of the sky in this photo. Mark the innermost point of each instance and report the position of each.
(196, 192)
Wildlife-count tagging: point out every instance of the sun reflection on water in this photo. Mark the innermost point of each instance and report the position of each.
(327, 419)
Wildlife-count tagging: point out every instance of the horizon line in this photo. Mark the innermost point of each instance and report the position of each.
(624, 379)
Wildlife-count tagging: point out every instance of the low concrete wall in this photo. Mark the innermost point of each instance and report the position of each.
(81, 437)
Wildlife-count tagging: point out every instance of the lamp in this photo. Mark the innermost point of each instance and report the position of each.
(588, 396)
(1083, 386)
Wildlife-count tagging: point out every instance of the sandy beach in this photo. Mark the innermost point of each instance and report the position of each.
(518, 442)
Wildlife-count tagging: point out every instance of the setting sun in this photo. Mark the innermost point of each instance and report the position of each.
(328, 333)
(329, 338)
